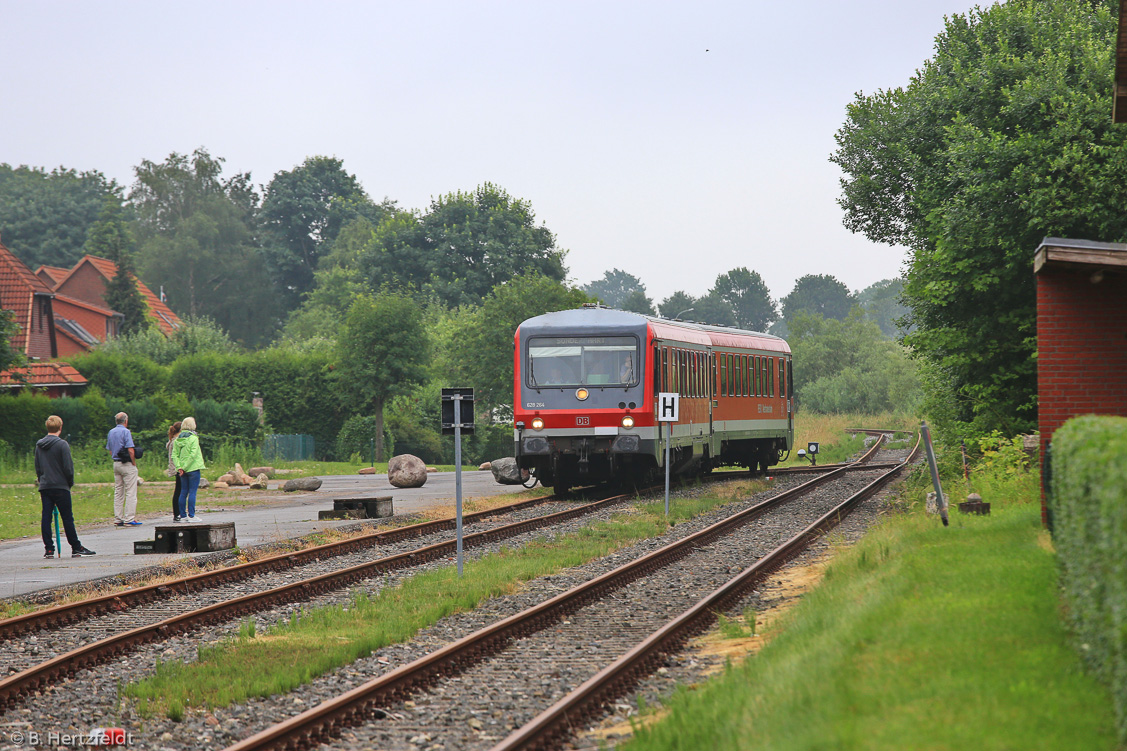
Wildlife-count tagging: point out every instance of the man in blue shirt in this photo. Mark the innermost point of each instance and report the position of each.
(119, 442)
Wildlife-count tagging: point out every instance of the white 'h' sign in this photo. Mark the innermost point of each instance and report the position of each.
(668, 405)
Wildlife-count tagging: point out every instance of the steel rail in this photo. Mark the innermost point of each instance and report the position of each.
(326, 719)
(66, 614)
(63, 615)
(555, 723)
(28, 681)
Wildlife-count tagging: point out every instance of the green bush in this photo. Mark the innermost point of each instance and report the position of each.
(123, 376)
(22, 418)
(1088, 504)
(295, 388)
(356, 437)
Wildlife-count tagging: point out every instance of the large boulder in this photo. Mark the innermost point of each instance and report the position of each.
(203, 483)
(302, 483)
(407, 471)
(506, 471)
(256, 471)
(259, 483)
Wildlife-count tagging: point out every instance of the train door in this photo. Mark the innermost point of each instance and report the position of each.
(710, 388)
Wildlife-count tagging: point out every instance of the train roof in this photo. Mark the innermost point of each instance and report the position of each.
(623, 321)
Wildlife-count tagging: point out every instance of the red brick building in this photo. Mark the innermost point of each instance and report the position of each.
(25, 294)
(1081, 331)
(87, 282)
(55, 378)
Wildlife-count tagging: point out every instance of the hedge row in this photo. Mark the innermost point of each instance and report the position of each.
(88, 418)
(1088, 503)
(296, 387)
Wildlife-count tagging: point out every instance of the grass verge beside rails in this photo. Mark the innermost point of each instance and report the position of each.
(918, 637)
(262, 664)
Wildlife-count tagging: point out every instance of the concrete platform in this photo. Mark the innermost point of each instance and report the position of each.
(23, 569)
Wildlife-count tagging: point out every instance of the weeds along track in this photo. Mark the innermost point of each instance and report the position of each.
(125, 645)
(60, 615)
(79, 636)
(33, 660)
(543, 653)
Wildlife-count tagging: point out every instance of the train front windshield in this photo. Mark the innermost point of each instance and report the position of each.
(583, 361)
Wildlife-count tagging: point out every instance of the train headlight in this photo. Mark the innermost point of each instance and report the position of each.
(582, 394)
(627, 422)
(537, 423)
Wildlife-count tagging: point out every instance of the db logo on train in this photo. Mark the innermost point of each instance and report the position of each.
(583, 421)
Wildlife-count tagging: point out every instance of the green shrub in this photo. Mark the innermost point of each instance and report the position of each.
(123, 376)
(357, 435)
(22, 418)
(295, 388)
(1088, 504)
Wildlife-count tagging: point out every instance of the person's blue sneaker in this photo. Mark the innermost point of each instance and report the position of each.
(133, 524)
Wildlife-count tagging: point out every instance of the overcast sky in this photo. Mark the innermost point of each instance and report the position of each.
(672, 140)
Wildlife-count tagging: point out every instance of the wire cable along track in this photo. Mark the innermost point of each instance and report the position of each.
(352, 708)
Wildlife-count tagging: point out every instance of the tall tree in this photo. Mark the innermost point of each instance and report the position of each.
(749, 297)
(1002, 137)
(197, 238)
(882, 303)
(44, 216)
(677, 305)
(110, 238)
(382, 352)
(637, 302)
(713, 309)
(614, 287)
(821, 294)
(462, 247)
(303, 212)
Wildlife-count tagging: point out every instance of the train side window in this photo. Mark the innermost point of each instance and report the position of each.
(655, 368)
(754, 363)
(746, 374)
(684, 373)
(723, 375)
(782, 377)
(740, 359)
(694, 382)
(771, 376)
(698, 374)
(760, 375)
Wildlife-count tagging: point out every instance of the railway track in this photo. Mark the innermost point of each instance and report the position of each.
(629, 617)
(39, 674)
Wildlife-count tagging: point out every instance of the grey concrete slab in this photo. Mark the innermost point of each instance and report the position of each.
(23, 569)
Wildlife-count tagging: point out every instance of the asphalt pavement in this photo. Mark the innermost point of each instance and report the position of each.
(24, 570)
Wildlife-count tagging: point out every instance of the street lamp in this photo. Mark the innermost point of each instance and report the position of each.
(683, 312)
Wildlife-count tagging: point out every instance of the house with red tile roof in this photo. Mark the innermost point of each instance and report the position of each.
(56, 378)
(51, 275)
(25, 294)
(87, 282)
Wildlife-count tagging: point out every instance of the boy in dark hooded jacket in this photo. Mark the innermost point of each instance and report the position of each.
(55, 470)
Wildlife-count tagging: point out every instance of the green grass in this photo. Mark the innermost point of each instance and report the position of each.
(919, 637)
(262, 664)
(92, 497)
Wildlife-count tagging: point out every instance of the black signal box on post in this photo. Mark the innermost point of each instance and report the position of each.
(465, 410)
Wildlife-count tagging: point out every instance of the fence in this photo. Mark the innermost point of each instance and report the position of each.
(290, 448)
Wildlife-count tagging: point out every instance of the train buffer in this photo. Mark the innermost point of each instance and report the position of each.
(189, 538)
(359, 508)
